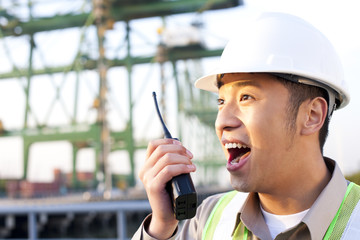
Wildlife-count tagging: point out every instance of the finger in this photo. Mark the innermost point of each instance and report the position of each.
(166, 174)
(157, 142)
(169, 159)
(158, 149)
(150, 158)
(162, 150)
(148, 174)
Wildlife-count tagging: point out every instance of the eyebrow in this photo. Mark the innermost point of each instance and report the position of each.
(240, 83)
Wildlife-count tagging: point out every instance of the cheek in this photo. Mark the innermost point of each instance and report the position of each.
(266, 130)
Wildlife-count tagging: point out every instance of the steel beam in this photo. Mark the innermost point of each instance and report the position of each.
(119, 12)
(90, 64)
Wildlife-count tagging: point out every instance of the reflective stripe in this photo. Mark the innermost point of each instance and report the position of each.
(345, 225)
(352, 230)
(340, 225)
(214, 219)
(228, 217)
(240, 231)
(330, 230)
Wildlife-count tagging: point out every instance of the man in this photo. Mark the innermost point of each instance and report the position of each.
(278, 85)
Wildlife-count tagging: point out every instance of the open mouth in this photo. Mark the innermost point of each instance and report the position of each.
(237, 152)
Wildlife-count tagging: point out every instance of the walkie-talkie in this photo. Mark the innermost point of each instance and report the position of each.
(180, 188)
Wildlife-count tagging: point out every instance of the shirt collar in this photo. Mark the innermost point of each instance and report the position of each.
(252, 218)
(317, 219)
(327, 204)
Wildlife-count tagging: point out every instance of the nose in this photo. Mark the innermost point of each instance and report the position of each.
(227, 118)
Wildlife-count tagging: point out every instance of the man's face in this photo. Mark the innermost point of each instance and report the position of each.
(252, 125)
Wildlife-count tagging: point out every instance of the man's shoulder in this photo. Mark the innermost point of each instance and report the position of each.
(214, 199)
(206, 207)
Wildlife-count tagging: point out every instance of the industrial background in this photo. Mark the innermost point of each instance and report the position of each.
(82, 73)
(76, 114)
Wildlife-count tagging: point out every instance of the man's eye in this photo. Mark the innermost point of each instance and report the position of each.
(245, 97)
(220, 101)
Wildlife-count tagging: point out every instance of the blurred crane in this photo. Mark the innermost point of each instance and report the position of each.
(177, 55)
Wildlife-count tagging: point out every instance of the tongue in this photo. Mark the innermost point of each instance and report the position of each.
(237, 153)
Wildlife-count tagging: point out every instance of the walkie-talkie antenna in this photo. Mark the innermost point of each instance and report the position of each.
(166, 131)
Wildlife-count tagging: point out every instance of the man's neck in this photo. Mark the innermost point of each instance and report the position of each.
(299, 193)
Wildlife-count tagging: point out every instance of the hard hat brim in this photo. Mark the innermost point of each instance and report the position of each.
(208, 83)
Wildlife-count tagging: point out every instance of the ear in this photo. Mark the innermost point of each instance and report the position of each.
(315, 112)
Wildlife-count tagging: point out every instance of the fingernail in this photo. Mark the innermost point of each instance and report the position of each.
(189, 153)
(177, 142)
(192, 166)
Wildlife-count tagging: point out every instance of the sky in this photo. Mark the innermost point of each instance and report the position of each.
(338, 20)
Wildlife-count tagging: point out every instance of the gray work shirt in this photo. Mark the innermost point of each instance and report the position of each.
(313, 226)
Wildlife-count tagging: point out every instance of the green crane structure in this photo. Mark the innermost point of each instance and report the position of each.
(97, 134)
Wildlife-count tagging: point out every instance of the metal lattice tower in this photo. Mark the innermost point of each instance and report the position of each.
(97, 134)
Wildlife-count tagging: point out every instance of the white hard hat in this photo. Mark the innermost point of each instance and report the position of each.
(285, 45)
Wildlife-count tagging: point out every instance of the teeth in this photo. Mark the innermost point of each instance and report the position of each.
(234, 145)
(235, 161)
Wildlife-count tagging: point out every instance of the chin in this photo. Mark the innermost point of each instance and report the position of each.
(240, 184)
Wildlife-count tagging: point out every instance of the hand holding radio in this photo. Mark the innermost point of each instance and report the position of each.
(170, 191)
(181, 188)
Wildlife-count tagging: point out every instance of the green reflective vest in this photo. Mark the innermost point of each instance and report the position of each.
(345, 225)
